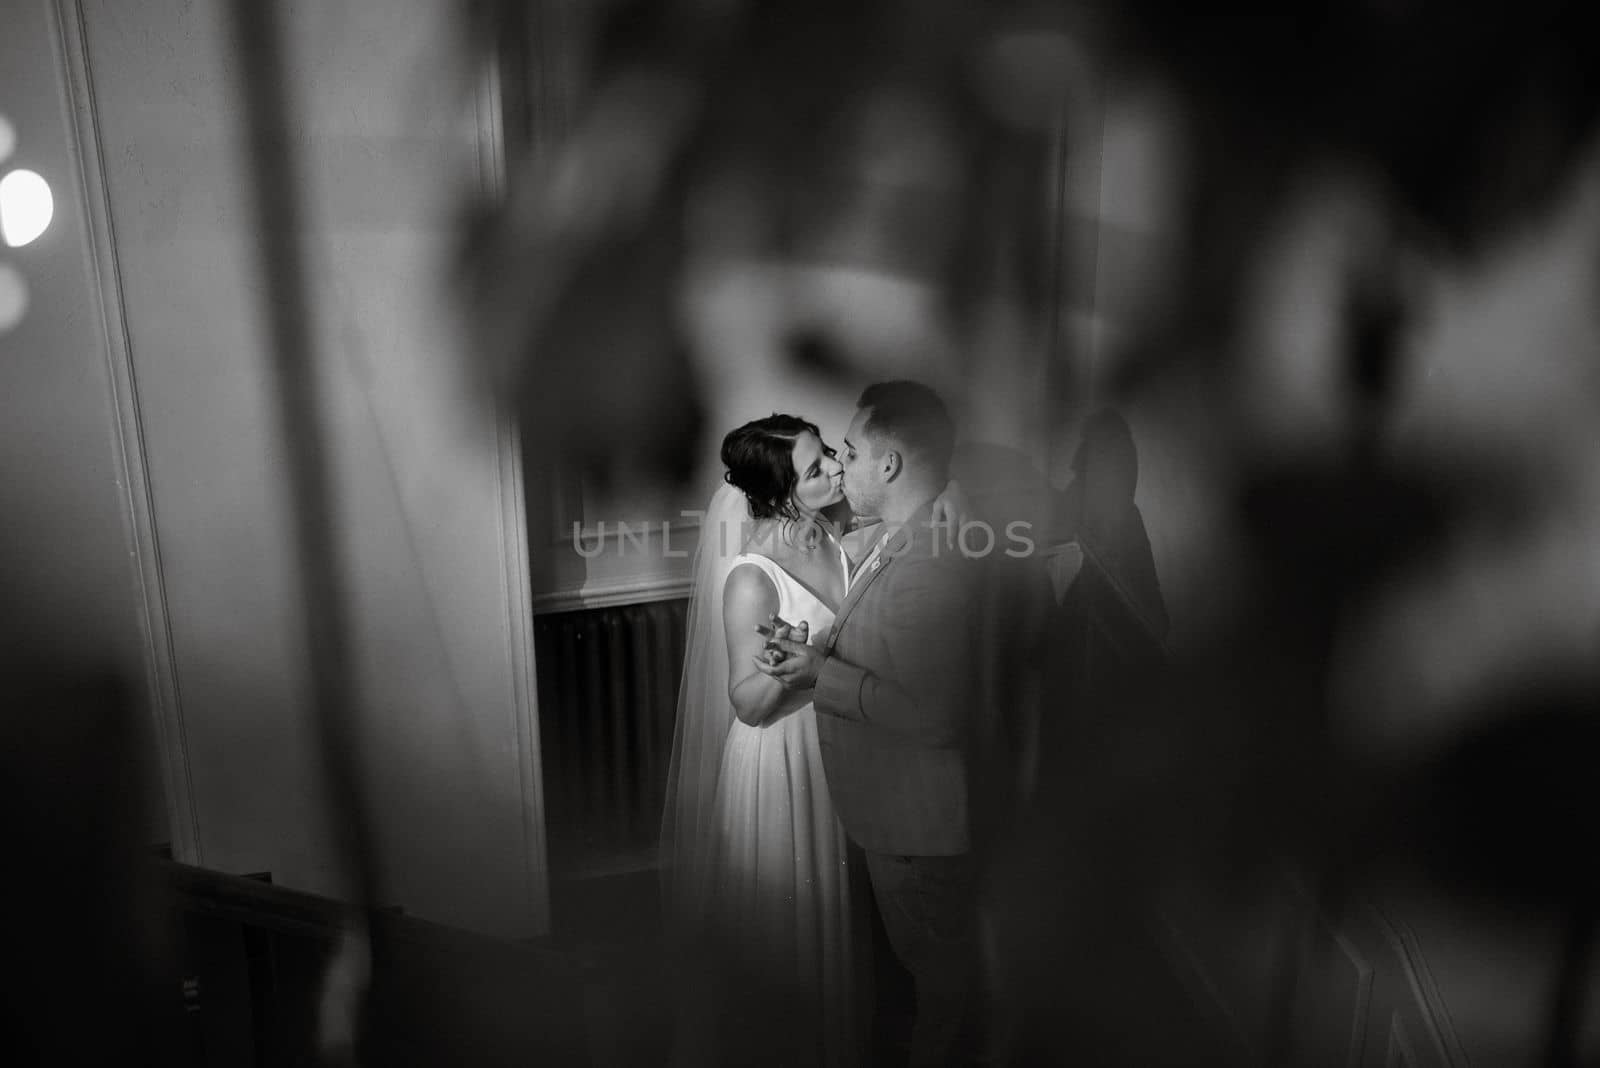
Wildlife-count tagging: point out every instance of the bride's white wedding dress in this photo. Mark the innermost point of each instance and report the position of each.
(780, 892)
(754, 862)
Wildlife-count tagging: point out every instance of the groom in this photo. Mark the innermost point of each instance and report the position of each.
(893, 690)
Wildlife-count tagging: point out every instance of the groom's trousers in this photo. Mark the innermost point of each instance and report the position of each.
(929, 913)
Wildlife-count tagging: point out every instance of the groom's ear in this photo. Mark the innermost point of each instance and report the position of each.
(892, 464)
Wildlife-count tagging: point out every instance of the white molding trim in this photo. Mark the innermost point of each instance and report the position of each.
(515, 568)
(611, 595)
(491, 132)
(1435, 1012)
(161, 670)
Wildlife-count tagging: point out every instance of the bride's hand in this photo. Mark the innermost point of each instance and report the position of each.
(951, 511)
(797, 666)
(776, 629)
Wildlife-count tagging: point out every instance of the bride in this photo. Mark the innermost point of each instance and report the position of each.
(756, 865)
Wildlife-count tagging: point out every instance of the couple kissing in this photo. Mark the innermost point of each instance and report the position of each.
(820, 752)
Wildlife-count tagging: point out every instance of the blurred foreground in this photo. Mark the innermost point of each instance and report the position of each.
(1303, 776)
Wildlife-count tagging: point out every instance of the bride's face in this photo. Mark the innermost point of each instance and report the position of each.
(818, 476)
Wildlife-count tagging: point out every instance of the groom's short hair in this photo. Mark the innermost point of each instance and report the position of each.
(913, 417)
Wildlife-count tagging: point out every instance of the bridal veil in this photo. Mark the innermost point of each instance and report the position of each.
(704, 714)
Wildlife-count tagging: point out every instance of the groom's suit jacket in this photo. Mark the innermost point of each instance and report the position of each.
(894, 697)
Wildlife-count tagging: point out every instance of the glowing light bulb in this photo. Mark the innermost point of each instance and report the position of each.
(13, 297)
(26, 207)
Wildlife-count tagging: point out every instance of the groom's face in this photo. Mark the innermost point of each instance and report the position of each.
(863, 481)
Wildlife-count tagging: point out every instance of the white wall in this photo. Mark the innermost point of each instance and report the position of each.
(387, 141)
(65, 569)
(58, 444)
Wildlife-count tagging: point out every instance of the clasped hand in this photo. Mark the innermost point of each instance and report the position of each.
(788, 657)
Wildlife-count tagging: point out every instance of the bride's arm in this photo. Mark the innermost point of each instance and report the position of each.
(750, 600)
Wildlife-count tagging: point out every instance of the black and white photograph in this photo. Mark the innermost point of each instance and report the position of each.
(799, 533)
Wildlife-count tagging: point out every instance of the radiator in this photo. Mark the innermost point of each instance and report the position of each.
(608, 692)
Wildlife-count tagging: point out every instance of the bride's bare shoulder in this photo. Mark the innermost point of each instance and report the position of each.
(748, 582)
(749, 597)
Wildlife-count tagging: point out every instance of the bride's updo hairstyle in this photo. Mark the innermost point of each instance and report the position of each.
(760, 463)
